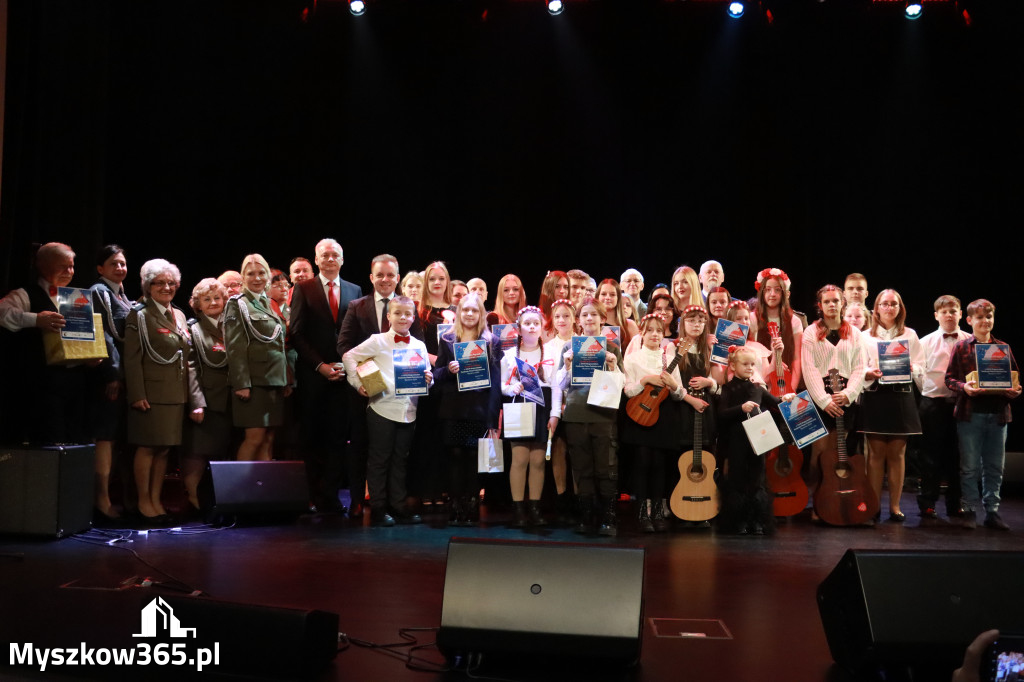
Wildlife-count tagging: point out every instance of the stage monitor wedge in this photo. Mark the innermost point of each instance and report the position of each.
(894, 609)
(533, 600)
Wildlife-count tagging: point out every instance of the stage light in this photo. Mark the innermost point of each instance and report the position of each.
(913, 10)
(356, 7)
(736, 10)
(555, 7)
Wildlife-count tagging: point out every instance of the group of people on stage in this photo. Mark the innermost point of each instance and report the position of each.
(218, 383)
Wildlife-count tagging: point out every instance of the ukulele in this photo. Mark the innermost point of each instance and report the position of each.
(643, 408)
(844, 497)
(695, 497)
(782, 465)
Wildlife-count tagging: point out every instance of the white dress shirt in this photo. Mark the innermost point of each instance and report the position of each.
(937, 350)
(397, 408)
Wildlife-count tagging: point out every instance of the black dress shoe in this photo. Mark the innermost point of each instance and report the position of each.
(406, 516)
(381, 518)
(929, 513)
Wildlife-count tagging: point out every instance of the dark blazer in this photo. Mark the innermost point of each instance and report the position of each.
(114, 312)
(361, 322)
(211, 362)
(146, 379)
(252, 361)
(312, 330)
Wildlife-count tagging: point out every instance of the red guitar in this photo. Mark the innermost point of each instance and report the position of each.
(844, 497)
(643, 408)
(783, 382)
(782, 465)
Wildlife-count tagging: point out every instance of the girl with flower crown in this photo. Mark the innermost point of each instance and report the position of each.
(528, 453)
(772, 287)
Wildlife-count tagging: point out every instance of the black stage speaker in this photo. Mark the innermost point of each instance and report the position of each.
(884, 610)
(527, 600)
(46, 491)
(252, 487)
(249, 641)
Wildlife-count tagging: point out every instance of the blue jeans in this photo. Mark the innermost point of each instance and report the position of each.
(982, 453)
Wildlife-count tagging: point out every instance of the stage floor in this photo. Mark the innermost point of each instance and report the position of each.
(760, 590)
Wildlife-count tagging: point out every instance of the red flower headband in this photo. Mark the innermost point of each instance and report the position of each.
(694, 309)
(768, 273)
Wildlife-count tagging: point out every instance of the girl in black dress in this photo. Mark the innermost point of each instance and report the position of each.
(465, 415)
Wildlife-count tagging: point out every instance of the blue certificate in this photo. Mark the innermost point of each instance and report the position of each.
(507, 334)
(894, 361)
(993, 363)
(530, 381)
(727, 334)
(443, 329)
(76, 307)
(410, 365)
(613, 334)
(803, 420)
(588, 355)
(474, 368)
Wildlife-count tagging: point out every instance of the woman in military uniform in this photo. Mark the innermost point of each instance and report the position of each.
(210, 438)
(159, 381)
(257, 365)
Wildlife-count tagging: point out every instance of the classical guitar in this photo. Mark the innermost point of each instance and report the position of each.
(782, 465)
(695, 497)
(844, 497)
(643, 408)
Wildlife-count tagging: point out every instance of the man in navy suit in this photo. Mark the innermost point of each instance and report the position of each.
(367, 316)
(319, 306)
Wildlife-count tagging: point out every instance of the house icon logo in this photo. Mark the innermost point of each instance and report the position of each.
(158, 619)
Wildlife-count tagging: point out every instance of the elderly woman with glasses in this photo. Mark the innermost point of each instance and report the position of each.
(159, 380)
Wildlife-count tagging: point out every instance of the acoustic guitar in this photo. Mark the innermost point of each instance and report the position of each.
(695, 497)
(782, 465)
(643, 408)
(844, 497)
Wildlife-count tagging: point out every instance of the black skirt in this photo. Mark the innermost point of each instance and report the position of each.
(541, 423)
(889, 409)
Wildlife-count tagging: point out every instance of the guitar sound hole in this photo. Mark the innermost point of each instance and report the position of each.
(783, 468)
(696, 474)
(843, 469)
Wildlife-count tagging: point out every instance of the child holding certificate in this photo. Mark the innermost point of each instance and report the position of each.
(562, 322)
(464, 405)
(590, 431)
(888, 410)
(526, 375)
(391, 415)
(747, 503)
(981, 416)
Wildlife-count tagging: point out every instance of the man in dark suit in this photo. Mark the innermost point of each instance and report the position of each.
(319, 306)
(367, 316)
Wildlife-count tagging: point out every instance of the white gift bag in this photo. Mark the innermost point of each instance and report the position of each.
(762, 432)
(490, 458)
(520, 420)
(606, 389)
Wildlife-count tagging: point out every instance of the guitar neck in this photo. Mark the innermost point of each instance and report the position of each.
(698, 438)
(841, 438)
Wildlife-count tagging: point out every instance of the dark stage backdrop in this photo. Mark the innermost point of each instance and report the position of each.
(623, 133)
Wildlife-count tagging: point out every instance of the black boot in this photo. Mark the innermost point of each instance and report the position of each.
(644, 517)
(564, 506)
(521, 520)
(585, 510)
(473, 511)
(536, 518)
(610, 518)
(658, 519)
(454, 511)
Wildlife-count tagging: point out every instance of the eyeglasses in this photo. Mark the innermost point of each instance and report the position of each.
(887, 304)
(164, 284)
